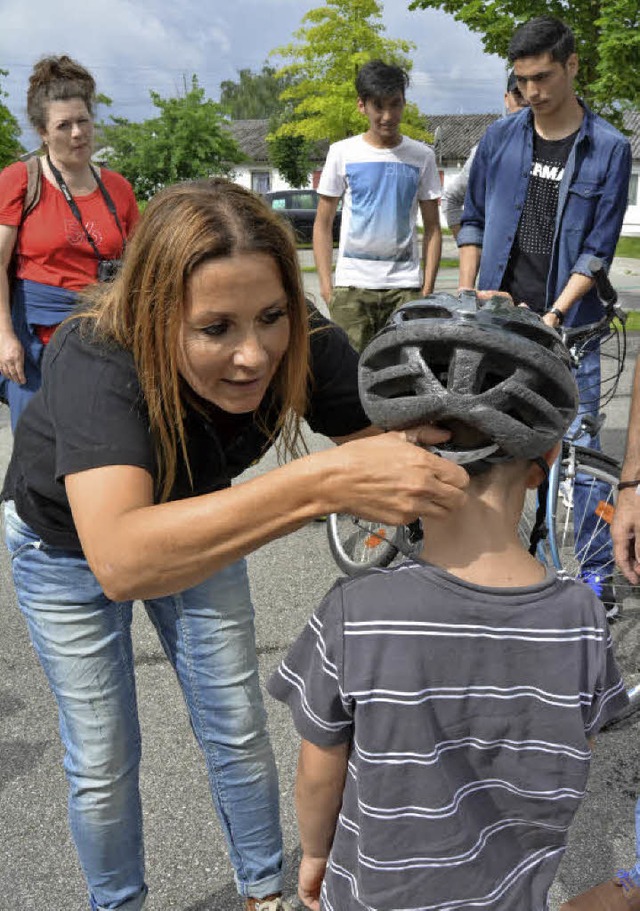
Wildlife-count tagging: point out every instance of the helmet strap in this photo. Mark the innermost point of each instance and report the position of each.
(464, 456)
(544, 468)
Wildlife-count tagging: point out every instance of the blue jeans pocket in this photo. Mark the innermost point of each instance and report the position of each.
(18, 536)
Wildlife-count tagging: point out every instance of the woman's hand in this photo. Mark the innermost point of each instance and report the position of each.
(392, 478)
(12, 358)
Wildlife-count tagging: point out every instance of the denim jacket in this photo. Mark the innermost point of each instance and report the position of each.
(592, 200)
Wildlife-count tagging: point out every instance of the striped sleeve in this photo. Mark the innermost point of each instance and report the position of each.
(610, 696)
(309, 679)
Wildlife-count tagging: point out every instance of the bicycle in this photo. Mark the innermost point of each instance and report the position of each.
(547, 526)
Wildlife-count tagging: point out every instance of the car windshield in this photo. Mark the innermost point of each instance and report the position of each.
(304, 201)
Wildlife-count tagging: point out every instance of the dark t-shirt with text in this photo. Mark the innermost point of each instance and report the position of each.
(526, 275)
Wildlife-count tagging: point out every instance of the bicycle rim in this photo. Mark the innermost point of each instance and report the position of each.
(357, 545)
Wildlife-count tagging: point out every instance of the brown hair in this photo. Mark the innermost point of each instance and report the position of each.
(57, 79)
(182, 227)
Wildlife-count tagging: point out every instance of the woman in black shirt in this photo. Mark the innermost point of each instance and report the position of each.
(172, 381)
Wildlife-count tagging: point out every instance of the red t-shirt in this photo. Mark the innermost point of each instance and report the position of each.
(52, 248)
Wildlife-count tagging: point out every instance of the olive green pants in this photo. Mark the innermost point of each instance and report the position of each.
(362, 312)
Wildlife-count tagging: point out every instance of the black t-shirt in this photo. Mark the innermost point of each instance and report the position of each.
(90, 413)
(528, 267)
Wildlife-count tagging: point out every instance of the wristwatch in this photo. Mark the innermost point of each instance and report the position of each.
(559, 315)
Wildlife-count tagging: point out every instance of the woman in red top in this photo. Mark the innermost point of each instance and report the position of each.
(72, 237)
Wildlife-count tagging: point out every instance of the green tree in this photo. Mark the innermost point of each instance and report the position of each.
(187, 140)
(607, 36)
(255, 96)
(10, 147)
(333, 42)
(291, 155)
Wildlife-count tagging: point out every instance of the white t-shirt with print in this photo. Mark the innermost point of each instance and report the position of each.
(380, 188)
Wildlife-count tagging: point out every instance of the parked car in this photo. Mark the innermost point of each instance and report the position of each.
(299, 207)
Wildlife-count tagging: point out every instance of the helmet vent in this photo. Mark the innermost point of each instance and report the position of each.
(490, 380)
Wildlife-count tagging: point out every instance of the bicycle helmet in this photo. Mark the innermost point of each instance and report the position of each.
(492, 366)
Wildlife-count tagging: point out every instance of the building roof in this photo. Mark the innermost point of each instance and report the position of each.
(460, 132)
(251, 136)
(456, 134)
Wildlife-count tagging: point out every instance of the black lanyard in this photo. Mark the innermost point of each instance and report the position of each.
(76, 211)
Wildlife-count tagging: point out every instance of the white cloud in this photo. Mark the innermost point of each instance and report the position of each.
(133, 46)
(129, 47)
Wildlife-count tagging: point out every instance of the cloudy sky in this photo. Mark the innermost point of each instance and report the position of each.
(132, 46)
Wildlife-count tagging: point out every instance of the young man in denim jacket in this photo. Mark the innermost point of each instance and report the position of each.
(547, 192)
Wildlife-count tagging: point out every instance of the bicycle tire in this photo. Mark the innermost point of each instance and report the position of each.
(357, 545)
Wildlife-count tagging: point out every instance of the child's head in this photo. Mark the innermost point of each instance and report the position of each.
(495, 375)
(381, 98)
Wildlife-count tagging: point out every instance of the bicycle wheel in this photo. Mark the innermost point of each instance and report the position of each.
(573, 551)
(357, 545)
(580, 537)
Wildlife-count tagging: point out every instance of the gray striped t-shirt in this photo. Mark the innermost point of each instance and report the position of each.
(468, 710)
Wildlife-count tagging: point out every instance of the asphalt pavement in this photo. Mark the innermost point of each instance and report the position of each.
(186, 857)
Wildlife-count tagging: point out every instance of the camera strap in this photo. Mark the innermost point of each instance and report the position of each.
(76, 211)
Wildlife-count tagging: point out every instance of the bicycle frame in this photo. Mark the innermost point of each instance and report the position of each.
(551, 510)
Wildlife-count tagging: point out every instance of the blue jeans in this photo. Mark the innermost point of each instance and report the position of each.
(595, 547)
(83, 641)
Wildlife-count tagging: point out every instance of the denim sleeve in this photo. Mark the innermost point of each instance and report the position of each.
(473, 215)
(601, 240)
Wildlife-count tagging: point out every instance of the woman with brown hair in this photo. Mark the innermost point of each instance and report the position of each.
(175, 379)
(71, 237)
